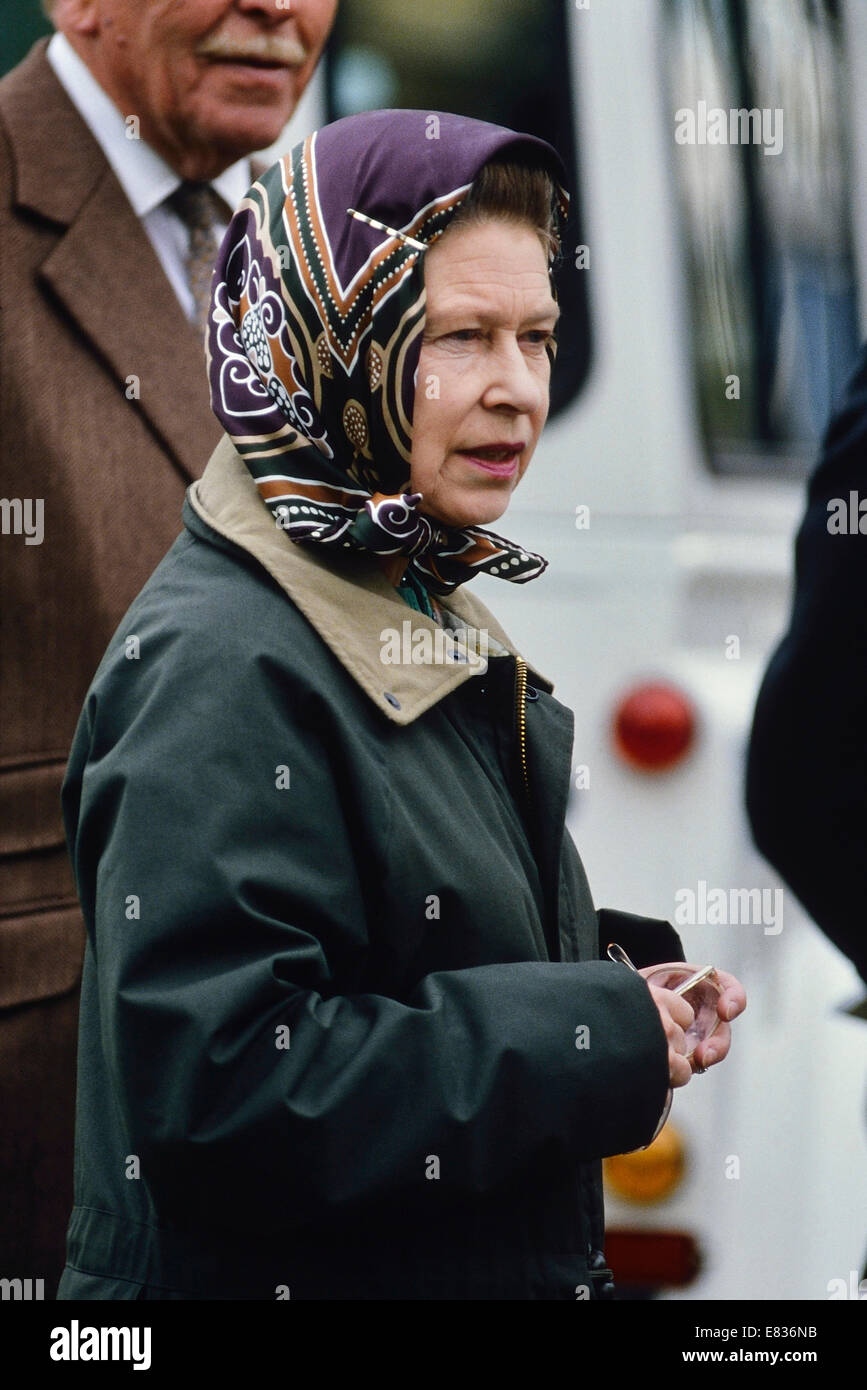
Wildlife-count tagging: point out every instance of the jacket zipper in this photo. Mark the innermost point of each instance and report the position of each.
(521, 714)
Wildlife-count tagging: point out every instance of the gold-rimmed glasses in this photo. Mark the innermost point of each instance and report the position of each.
(701, 990)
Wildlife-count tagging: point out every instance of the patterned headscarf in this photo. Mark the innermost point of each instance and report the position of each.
(315, 332)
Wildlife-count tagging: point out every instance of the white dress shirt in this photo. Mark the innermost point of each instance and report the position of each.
(143, 175)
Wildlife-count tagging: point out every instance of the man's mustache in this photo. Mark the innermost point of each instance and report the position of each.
(260, 48)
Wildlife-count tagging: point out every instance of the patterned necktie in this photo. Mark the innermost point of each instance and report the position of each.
(200, 208)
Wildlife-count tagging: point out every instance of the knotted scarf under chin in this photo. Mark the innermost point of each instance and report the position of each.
(315, 333)
(441, 556)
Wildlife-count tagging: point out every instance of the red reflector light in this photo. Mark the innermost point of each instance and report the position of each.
(654, 727)
(652, 1259)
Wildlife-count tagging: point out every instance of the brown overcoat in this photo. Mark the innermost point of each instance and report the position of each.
(105, 418)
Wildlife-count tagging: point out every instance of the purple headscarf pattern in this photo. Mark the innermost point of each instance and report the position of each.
(315, 331)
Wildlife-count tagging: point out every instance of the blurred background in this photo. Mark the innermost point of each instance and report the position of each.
(714, 302)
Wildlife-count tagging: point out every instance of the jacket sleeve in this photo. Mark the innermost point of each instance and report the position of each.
(807, 764)
(646, 940)
(228, 927)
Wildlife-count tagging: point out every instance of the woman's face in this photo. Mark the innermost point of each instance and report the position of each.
(483, 377)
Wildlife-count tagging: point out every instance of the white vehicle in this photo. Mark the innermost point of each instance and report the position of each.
(719, 284)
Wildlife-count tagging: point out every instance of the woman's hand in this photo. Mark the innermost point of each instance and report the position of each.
(676, 1016)
(730, 1004)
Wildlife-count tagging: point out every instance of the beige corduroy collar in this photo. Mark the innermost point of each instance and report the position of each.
(346, 598)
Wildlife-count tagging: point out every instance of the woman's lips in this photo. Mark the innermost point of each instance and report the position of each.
(495, 458)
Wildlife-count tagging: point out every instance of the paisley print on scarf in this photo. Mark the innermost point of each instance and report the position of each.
(315, 331)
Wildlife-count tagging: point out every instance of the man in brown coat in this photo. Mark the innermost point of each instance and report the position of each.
(124, 143)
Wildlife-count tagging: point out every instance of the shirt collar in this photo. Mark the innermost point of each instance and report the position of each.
(145, 177)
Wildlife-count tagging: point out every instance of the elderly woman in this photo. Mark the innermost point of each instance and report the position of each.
(345, 1028)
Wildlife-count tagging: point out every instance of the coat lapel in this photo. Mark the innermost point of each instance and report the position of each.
(115, 289)
(327, 592)
(103, 269)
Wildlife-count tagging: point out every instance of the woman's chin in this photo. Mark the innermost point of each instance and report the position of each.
(460, 515)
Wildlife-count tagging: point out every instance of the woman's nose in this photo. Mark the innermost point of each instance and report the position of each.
(515, 382)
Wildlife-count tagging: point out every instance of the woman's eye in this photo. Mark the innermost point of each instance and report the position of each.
(535, 338)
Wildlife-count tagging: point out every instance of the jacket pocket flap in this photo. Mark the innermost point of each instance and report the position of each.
(30, 813)
(40, 954)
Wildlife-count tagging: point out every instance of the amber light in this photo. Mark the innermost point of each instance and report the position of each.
(654, 727)
(648, 1175)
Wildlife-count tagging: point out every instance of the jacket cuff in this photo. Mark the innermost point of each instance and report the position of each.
(646, 940)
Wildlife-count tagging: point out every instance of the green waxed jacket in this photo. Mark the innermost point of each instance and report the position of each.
(345, 1032)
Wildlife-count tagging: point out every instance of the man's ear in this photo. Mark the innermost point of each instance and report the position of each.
(76, 16)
